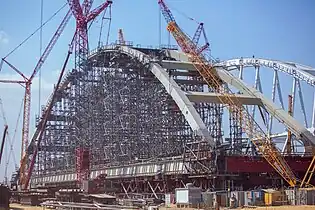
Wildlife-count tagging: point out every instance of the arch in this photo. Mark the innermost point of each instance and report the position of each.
(185, 105)
(295, 70)
(302, 133)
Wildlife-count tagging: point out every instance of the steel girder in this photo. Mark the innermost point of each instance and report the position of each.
(301, 133)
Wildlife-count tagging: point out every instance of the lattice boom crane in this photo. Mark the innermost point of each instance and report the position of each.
(27, 97)
(255, 133)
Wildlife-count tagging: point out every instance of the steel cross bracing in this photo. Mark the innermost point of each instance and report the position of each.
(57, 152)
(123, 133)
(295, 71)
(254, 132)
(301, 134)
(83, 16)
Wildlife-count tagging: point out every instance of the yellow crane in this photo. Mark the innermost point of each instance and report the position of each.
(258, 137)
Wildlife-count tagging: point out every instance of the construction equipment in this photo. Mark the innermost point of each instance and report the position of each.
(262, 142)
(3, 141)
(121, 38)
(27, 97)
(308, 175)
(42, 124)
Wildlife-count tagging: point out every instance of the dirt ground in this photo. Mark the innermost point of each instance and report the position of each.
(21, 207)
(257, 208)
(284, 207)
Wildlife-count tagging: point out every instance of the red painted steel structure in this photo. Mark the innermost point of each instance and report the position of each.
(3, 141)
(27, 98)
(245, 164)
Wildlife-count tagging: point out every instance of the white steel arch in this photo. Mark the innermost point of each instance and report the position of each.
(295, 70)
(179, 96)
(223, 68)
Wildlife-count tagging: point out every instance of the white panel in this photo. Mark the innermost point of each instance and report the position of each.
(182, 196)
(171, 167)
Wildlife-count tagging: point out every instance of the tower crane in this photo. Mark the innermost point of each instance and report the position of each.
(255, 133)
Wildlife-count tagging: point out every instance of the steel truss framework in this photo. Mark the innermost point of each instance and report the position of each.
(127, 116)
(136, 104)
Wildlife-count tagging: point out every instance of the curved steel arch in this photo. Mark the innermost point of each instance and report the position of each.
(172, 88)
(295, 70)
(181, 62)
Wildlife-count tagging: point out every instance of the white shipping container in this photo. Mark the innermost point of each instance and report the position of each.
(191, 195)
(182, 196)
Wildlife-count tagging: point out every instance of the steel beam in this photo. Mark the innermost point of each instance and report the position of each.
(203, 97)
(299, 131)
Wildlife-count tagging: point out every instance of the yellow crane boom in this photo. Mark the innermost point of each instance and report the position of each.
(258, 137)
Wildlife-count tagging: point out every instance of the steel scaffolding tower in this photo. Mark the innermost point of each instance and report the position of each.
(131, 117)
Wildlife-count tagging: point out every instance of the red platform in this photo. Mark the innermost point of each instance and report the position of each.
(244, 164)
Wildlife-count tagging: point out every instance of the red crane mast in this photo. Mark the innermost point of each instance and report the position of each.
(27, 97)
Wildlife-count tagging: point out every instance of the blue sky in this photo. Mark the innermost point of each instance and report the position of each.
(280, 29)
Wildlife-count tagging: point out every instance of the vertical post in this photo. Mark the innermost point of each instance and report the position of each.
(293, 95)
(289, 143)
(313, 117)
(273, 96)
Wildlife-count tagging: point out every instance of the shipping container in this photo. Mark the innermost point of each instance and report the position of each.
(239, 196)
(306, 197)
(248, 200)
(208, 199)
(222, 199)
(275, 197)
(258, 197)
(188, 196)
(291, 196)
(255, 198)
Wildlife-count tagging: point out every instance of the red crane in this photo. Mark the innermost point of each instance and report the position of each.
(27, 97)
(3, 141)
(83, 17)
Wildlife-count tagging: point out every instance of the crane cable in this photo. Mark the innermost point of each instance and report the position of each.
(14, 134)
(39, 28)
(11, 141)
(207, 54)
(183, 14)
(40, 53)
(101, 29)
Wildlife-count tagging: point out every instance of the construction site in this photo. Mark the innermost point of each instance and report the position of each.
(140, 127)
